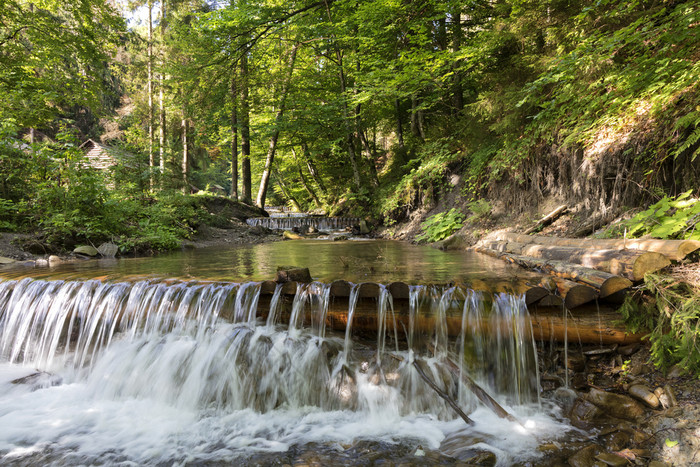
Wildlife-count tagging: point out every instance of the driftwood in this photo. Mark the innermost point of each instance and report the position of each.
(548, 219)
(608, 284)
(675, 250)
(452, 403)
(477, 390)
(632, 264)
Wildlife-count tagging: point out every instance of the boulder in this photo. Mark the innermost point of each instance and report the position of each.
(108, 250)
(54, 260)
(364, 228)
(86, 250)
(340, 237)
(615, 405)
(288, 234)
(4, 260)
(585, 457)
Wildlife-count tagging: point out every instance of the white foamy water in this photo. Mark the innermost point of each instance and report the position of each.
(151, 373)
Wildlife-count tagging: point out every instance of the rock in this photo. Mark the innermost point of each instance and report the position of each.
(565, 398)
(615, 405)
(259, 230)
(616, 441)
(291, 235)
(39, 380)
(312, 230)
(54, 260)
(584, 414)
(4, 260)
(671, 394)
(291, 273)
(86, 250)
(485, 458)
(108, 250)
(644, 394)
(585, 457)
(627, 350)
(611, 459)
(600, 351)
(659, 464)
(576, 362)
(675, 372)
(340, 237)
(364, 228)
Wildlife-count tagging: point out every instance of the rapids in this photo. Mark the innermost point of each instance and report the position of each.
(136, 372)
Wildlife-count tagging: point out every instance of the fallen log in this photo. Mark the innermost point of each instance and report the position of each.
(548, 219)
(586, 324)
(632, 264)
(606, 283)
(452, 403)
(675, 250)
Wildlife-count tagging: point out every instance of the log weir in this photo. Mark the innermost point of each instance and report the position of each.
(303, 223)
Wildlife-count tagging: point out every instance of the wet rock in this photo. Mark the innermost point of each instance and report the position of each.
(565, 398)
(39, 380)
(312, 230)
(485, 458)
(86, 250)
(340, 237)
(616, 441)
(4, 260)
(108, 250)
(659, 464)
(293, 274)
(644, 394)
(54, 260)
(585, 457)
(41, 262)
(584, 414)
(291, 235)
(612, 460)
(600, 351)
(576, 362)
(615, 405)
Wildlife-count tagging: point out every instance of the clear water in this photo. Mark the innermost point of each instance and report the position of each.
(183, 372)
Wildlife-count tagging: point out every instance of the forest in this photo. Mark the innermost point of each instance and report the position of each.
(376, 108)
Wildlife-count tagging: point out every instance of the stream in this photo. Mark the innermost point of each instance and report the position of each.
(168, 361)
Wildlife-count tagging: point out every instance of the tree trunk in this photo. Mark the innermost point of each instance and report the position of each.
(399, 123)
(457, 90)
(308, 188)
(416, 119)
(285, 191)
(151, 135)
(675, 250)
(234, 138)
(606, 283)
(312, 169)
(185, 157)
(247, 194)
(265, 179)
(161, 129)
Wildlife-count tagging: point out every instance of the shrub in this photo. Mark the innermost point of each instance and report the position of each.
(440, 226)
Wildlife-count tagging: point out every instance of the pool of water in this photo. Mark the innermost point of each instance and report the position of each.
(355, 261)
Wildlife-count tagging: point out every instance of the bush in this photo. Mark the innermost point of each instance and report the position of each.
(440, 226)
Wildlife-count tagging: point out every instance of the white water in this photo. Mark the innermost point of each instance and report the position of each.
(152, 373)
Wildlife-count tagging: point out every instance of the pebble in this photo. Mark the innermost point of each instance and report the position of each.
(611, 459)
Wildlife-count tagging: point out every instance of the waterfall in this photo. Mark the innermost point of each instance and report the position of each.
(238, 370)
(324, 224)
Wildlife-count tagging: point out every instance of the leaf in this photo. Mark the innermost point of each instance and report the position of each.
(670, 443)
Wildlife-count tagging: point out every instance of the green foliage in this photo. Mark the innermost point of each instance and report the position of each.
(668, 218)
(672, 313)
(440, 226)
(480, 209)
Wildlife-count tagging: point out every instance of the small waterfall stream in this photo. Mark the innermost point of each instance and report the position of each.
(176, 372)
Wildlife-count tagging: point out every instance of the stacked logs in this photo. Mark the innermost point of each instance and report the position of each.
(587, 324)
(584, 270)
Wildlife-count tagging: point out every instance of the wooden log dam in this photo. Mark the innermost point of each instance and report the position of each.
(594, 323)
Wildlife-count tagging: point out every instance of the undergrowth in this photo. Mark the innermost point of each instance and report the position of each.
(670, 309)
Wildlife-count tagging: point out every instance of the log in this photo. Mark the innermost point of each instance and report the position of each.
(632, 264)
(548, 219)
(675, 250)
(587, 324)
(606, 283)
(575, 294)
(452, 403)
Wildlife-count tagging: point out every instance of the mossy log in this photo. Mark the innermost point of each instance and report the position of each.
(632, 264)
(675, 250)
(608, 284)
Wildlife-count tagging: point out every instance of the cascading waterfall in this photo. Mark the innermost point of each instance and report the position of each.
(196, 363)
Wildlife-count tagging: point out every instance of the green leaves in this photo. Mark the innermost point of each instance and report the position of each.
(440, 226)
(668, 218)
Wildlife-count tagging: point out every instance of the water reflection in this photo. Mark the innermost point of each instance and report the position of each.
(355, 261)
